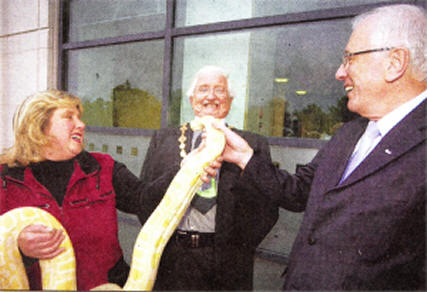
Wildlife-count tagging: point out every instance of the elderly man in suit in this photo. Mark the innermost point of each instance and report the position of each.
(364, 192)
(214, 245)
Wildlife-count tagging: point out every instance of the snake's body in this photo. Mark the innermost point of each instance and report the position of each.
(58, 273)
(149, 244)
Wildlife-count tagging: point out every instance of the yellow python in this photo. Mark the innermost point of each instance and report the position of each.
(59, 273)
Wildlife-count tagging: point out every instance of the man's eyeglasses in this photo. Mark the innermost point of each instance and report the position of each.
(347, 56)
(219, 91)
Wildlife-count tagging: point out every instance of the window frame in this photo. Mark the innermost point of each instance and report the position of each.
(170, 32)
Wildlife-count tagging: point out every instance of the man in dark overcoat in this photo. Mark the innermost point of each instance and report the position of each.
(214, 245)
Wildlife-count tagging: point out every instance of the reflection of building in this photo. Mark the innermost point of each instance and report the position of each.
(278, 105)
(135, 108)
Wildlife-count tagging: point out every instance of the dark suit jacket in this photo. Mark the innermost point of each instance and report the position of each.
(368, 232)
(242, 219)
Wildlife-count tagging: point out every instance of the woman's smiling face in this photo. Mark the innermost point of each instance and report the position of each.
(66, 130)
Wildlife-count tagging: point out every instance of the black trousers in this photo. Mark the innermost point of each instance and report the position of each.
(185, 268)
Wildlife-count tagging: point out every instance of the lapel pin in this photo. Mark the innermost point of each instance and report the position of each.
(387, 151)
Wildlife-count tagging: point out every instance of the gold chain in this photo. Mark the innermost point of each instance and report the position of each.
(182, 139)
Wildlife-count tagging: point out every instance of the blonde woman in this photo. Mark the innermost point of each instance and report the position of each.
(48, 168)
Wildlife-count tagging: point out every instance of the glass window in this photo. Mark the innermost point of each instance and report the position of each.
(283, 77)
(96, 19)
(195, 12)
(283, 74)
(121, 85)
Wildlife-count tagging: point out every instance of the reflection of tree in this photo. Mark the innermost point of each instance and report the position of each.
(128, 108)
(340, 114)
(275, 119)
(97, 113)
(135, 108)
(314, 122)
(317, 124)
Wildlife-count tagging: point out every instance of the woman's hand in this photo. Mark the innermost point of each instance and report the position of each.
(41, 242)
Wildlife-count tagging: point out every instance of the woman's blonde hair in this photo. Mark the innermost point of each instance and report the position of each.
(29, 123)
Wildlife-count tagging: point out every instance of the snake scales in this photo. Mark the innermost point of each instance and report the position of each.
(59, 272)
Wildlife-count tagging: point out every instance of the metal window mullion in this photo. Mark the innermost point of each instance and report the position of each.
(167, 61)
(130, 38)
(61, 55)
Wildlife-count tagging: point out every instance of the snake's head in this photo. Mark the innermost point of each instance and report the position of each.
(215, 139)
(199, 123)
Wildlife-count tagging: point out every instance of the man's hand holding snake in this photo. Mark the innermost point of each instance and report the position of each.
(236, 149)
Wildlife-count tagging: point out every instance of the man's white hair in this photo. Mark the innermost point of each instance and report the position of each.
(401, 25)
(210, 69)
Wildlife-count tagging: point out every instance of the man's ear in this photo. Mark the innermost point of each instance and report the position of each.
(397, 65)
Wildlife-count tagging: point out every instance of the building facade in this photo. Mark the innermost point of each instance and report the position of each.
(131, 62)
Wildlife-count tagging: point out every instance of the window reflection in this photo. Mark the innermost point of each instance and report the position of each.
(120, 86)
(284, 77)
(97, 19)
(195, 12)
